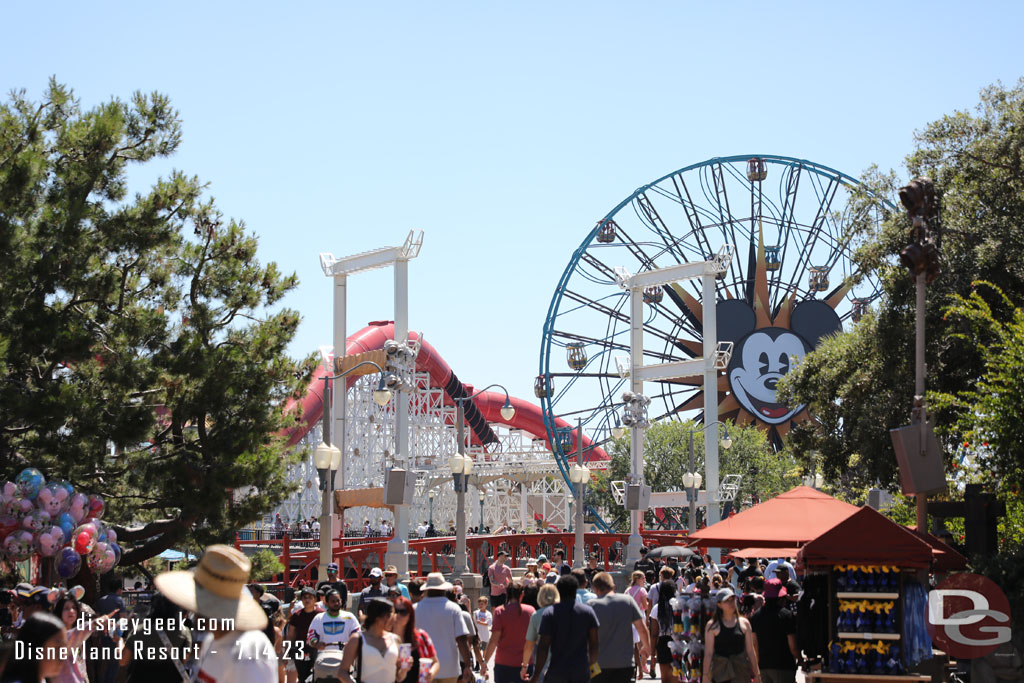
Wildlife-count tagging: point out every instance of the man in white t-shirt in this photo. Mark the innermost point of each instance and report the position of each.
(330, 630)
(421, 530)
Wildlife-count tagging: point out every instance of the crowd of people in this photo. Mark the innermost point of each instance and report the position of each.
(752, 633)
(554, 624)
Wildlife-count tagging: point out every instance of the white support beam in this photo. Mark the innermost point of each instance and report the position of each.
(676, 370)
(677, 499)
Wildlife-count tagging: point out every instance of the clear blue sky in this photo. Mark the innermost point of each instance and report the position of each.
(504, 130)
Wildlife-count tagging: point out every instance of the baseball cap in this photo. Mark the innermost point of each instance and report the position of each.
(551, 577)
(376, 573)
(724, 594)
(306, 590)
(332, 567)
(773, 588)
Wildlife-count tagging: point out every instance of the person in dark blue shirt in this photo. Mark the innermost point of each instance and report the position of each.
(568, 630)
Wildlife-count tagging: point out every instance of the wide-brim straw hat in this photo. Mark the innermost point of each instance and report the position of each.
(436, 582)
(215, 589)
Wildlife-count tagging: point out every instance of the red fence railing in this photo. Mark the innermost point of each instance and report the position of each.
(356, 556)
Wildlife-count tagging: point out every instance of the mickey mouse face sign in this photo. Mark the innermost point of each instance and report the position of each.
(761, 356)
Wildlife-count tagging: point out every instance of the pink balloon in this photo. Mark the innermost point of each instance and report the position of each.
(49, 540)
(79, 507)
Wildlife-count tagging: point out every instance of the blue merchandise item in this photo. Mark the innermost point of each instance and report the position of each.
(851, 578)
(916, 640)
(834, 660)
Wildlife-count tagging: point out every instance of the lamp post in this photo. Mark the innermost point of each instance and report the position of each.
(692, 479)
(430, 499)
(461, 466)
(327, 458)
(483, 497)
(579, 475)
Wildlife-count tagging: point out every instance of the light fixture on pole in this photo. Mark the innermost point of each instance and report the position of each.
(579, 476)
(461, 466)
(693, 479)
(327, 459)
(483, 497)
(618, 431)
(814, 480)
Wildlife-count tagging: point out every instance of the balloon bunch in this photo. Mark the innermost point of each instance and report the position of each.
(866, 616)
(847, 657)
(53, 520)
(867, 578)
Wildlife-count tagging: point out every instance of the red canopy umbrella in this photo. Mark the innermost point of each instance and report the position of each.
(786, 521)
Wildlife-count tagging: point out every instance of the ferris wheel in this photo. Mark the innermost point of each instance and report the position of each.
(790, 283)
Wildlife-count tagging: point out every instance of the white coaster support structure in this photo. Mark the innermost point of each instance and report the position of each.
(339, 270)
(712, 359)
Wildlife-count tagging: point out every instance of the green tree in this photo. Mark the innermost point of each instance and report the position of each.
(860, 384)
(265, 565)
(143, 356)
(766, 473)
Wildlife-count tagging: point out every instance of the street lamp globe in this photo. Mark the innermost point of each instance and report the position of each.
(467, 465)
(457, 462)
(326, 457)
(507, 411)
(430, 495)
(618, 431)
(726, 442)
(483, 496)
(697, 480)
(688, 480)
(381, 395)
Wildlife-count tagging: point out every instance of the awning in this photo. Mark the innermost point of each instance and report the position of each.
(175, 555)
(787, 521)
(772, 553)
(355, 498)
(946, 558)
(867, 537)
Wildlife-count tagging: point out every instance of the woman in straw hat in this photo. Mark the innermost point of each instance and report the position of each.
(215, 590)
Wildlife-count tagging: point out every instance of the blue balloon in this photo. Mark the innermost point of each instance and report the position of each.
(67, 524)
(67, 563)
(29, 482)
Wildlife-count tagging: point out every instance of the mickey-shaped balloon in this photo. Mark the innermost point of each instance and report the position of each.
(30, 481)
(35, 520)
(49, 540)
(67, 563)
(18, 545)
(53, 498)
(762, 355)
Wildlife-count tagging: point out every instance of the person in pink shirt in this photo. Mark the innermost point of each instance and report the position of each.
(500, 576)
